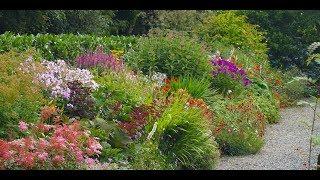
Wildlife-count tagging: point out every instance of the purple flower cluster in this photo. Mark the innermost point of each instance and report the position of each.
(228, 68)
(99, 58)
(57, 75)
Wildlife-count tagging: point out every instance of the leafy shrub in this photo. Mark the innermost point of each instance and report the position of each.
(56, 21)
(179, 20)
(266, 101)
(238, 125)
(288, 41)
(174, 56)
(227, 27)
(20, 98)
(120, 92)
(146, 156)
(184, 135)
(65, 46)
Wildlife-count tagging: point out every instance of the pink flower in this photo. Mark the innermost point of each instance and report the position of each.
(4, 149)
(23, 126)
(89, 161)
(27, 160)
(58, 159)
(93, 146)
(79, 156)
(58, 142)
(42, 156)
(43, 144)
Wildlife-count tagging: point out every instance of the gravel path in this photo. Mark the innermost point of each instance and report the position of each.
(286, 145)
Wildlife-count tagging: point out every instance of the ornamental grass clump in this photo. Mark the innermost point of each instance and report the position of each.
(184, 135)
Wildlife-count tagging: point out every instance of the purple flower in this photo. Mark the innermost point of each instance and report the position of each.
(99, 58)
(223, 66)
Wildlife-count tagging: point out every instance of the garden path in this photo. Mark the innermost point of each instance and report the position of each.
(286, 145)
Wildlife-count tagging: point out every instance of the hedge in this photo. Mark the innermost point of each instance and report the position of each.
(64, 46)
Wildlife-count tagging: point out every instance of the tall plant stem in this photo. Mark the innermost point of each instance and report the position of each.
(312, 129)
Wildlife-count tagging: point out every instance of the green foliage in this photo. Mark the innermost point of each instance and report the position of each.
(238, 125)
(267, 103)
(288, 41)
(179, 20)
(146, 156)
(56, 21)
(197, 88)
(174, 56)
(227, 27)
(184, 136)
(226, 85)
(120, 91)
(65, 46)
(20, 98)
(293, 89)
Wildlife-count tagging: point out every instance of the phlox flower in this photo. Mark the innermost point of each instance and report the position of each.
(23, 126)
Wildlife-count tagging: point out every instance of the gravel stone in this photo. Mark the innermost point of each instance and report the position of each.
(286, 145)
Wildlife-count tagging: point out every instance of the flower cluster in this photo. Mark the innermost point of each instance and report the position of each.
(99, 58)
(57, 76)
(80, 103)
(167, 86)
(138, 119)
(228, 68)
(199, 103)
(50, 114)
(63, 146)
(159, 78)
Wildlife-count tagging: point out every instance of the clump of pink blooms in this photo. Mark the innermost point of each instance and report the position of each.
(50, 147)
(99, 58)
(225, 66)
(58, 74)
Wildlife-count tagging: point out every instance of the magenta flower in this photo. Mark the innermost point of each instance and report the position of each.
(230, 69)
(99, 58)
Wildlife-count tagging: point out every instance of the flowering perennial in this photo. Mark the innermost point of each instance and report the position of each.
(58, 75)
(228, 68)
(99, 58)
(62, 146)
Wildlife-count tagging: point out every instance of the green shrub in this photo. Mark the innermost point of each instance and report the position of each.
(65, 46)
(20, 98)
(266, 101)
(146, 156)
(288, 41)
(174, 56)
(238, 125)
(226, 85)
(227, 27)
(120, 92)
(184, 136)
(179, 20)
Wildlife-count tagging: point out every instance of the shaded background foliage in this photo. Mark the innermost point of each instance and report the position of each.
(289, 32)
